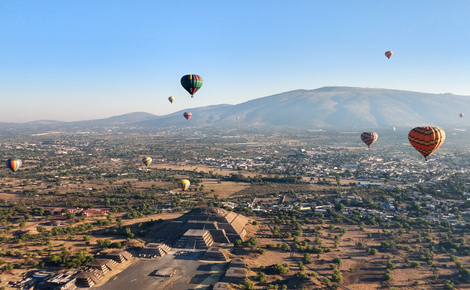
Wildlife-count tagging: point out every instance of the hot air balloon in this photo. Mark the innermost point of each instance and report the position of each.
(14, 164)
(191, 83)
(184, 184)
(187, 115)
(171, 99)
(393, 129)
(461, 115)
(388, 54)
(427, 139)
(369, 138)
(146, 161)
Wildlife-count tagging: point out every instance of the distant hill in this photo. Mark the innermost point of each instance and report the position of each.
(336, 107)
(327, 107)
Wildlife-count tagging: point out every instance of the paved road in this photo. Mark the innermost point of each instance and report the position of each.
(190, 274)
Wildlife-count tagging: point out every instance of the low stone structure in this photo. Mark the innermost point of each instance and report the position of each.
(235, 275)
(89, 278)
(214, 254)
(119, 256)
(104, 265)
(157, 249)
(60, 281)
(167, 272)
(220, 285)
(237, 262)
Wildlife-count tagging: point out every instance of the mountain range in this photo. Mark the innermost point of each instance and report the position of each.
(323, 108)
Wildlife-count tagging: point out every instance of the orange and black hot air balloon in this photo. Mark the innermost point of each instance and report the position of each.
(369, 138)
(388, 54)
(427, 139)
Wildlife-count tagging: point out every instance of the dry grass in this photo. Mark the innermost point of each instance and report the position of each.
(223, 189)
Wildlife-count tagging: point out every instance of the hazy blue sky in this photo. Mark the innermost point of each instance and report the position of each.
(77, 60)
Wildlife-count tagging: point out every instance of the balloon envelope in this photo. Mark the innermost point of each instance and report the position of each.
(426, 139)
(187, 115)
(14, 164)
(369, 138)
(461, 115)
(388, 54)
(146, 161)
(171, 99)
(184, 184)
(191, 83)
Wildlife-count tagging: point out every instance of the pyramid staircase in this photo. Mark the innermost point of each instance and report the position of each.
(195, 239)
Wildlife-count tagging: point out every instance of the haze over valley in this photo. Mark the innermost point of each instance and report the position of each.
(329, 108)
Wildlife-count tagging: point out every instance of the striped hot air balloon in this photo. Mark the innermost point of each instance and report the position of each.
(14, 164)
(191, 83)
(187, 115)
(369, 138)
(427, 139)
(184, 184)
(146, 161)
(388, 54)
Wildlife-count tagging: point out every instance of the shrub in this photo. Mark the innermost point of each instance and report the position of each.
(337, 260)
(390, 265)
(249, 285)
(302, 276)
(261, 277)
(279, 269)
(336, 277)
(285, 247)
(307, 258)
(372, 251)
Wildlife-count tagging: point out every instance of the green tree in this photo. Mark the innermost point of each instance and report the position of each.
(336, 277)
(285, 247)
(249, 285)
(390, 265)
(307, 258)
(337, 260)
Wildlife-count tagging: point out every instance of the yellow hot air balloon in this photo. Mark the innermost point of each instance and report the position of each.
(184, 184)
(146, 161)
(171, 99)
